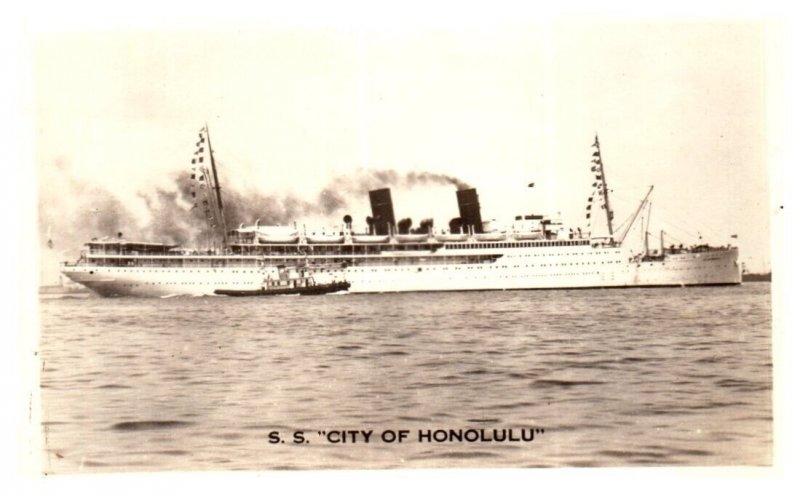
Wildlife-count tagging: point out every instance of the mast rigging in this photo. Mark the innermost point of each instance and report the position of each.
(601, 175)
(219, 212)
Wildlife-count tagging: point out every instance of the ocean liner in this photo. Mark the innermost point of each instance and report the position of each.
(533, 252)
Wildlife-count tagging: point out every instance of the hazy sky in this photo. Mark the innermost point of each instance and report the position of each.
(682, 106)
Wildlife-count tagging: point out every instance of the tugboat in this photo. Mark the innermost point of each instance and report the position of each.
(289, 282)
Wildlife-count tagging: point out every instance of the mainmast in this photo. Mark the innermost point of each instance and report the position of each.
(600, 177)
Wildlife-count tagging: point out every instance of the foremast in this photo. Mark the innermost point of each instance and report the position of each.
(205, 186)
(600, 191)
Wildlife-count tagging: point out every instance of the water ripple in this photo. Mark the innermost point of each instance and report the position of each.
(613, 377)
(149, 425)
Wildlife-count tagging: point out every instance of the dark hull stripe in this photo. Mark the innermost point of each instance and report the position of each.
(598, 287)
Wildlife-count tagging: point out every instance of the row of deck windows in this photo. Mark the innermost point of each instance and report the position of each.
(255, 262)
(355, 249)
(414, 266)
(514, 245)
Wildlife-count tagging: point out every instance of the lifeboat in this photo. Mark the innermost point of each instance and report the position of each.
(411, 237)
(324, 239)
(528, 235)
(451, 237)
(266, 238)
(490, 237)
(276, 235)
(370, 239)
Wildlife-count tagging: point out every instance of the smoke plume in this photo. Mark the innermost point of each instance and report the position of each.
(336, 195)
(80, 211)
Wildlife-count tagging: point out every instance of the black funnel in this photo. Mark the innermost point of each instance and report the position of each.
(470, 209)
(382, 211)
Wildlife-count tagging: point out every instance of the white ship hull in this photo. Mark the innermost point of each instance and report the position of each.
(520, 273)
(515, 269)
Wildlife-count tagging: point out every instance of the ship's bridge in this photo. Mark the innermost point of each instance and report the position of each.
(540, 226)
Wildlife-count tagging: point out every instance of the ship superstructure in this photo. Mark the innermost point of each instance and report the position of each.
(534, 252)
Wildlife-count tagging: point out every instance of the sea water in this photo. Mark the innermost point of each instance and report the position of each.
(608, 377)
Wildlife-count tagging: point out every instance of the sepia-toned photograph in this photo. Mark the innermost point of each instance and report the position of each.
(317, 246)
